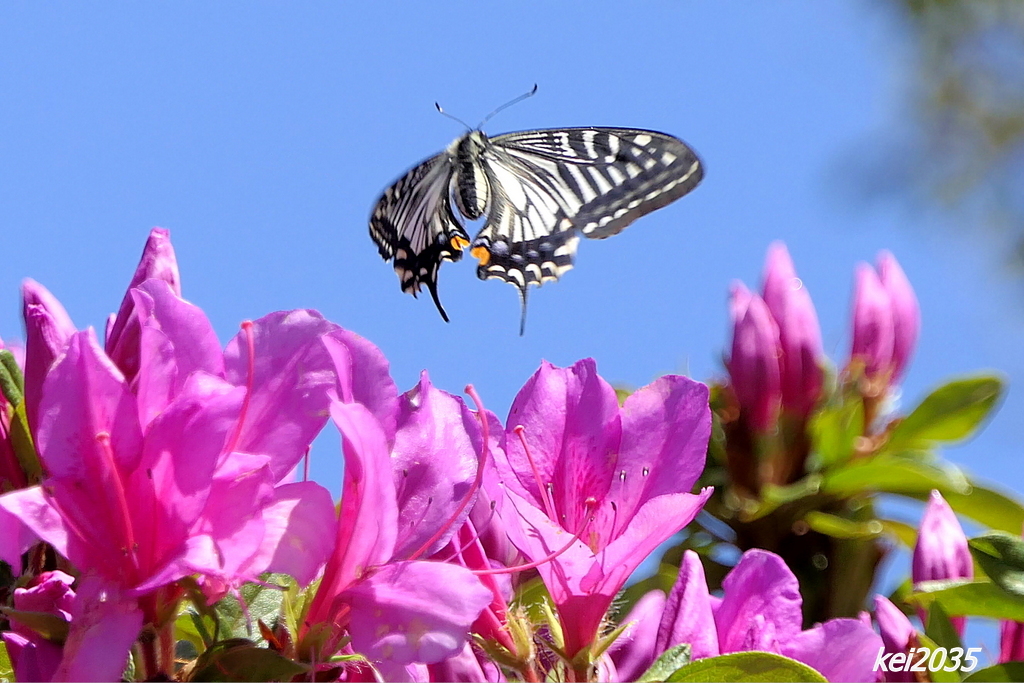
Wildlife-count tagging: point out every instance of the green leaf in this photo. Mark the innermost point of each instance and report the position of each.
(1010, 671)
(6, 668)
(894, 474)
(906, 534)
(670, 660)
(747, 666)
(12, 383)
(834, 431)
(773, 497)
(969, 598)
(239, 659)
(1001, 555)
(605, 641)
(940, 629)
(262, 602)
(49, 626)
(987, 506)
(940, 676)
(24, 449)
(950, 413)
(840, 527)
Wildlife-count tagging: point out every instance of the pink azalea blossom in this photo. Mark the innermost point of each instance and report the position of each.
(597, 486)
(408, 467)
(761, 610)
(174, 471)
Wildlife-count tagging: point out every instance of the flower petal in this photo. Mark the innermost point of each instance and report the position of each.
(434, 460)
(905, 309)
(104, 625)
(369, 511)
(122, 338)
(287, 403)
(873, 327)
(688, 615)
(47, 329)
(364, 376)
(571, 424)
(90, 442)
(176, 340)
(415, 611)
(634, 650)
(839, 649)
(665, 430)
(753, 365)
(300, 530)
(799, 332)
(761, 607)
(26, 517)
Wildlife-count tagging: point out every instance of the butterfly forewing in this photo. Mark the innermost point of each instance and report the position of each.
(543, 189)
(617, 174)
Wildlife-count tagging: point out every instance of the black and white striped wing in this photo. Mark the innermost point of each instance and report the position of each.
(413, 224)
(550, 186)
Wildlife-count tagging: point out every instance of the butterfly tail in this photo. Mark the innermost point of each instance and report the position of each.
(432, 286)
(522, 319)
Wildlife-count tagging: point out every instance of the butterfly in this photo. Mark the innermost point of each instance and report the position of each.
(539, 191)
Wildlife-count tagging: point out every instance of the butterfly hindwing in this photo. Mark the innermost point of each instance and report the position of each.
(414, 225)
(549, 186)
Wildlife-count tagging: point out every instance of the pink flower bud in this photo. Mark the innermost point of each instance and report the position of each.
(157, 263)
(873, 328)
(1011, 642)
(896, 631)
(754, 362)
(941, 551)
(906, 314)
(47, 329)
(799, 333)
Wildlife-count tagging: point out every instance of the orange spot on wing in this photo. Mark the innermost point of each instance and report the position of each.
(481, 254)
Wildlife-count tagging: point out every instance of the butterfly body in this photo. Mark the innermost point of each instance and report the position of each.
(539, 191)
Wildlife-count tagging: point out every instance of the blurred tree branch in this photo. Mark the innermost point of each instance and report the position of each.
(964, 147)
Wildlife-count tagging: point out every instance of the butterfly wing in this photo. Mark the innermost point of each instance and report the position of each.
(413, 225)
(550, 186)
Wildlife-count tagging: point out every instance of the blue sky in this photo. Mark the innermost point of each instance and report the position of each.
(261, 134)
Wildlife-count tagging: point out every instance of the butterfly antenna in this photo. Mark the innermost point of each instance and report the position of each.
(522, 320)
(507, 105)
(442, 112)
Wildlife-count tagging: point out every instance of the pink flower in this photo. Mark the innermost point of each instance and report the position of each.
(597, 486)
(761, 610)
(409, 462)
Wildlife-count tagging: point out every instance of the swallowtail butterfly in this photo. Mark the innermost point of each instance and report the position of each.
(540, 190)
